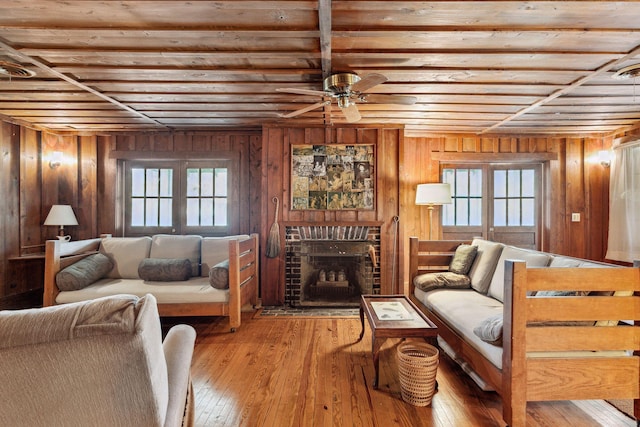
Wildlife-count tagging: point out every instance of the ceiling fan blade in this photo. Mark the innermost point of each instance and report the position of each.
(388, 99)
(369, 81)
(305, 109)
(302, 91)
(351, 113)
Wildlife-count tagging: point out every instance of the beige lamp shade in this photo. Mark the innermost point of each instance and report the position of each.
(61, 215)
(433, 194)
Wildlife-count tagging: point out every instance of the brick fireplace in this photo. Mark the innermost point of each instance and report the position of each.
(331, 265)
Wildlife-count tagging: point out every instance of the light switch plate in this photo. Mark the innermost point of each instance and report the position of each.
(575, 217)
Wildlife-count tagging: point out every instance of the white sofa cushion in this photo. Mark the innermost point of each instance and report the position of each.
(126, 254)
(484, 264)
(532, 258)
(196, 290)
(462, 310)
(564, 262)
(215, 250)
(167, 246)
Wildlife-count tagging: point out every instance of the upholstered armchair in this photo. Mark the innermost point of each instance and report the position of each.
(96, 363)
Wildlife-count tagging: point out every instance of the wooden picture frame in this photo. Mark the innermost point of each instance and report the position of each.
(333, 177)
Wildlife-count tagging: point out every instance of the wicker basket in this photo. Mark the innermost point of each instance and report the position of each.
(417, 366)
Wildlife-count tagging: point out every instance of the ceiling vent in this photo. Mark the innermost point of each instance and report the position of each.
(10, 69)
(629, 72)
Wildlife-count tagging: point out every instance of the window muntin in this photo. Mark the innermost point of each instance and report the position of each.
(466, 197)
(151, 197)
(206, 197)
(514, 197)
(179, 197)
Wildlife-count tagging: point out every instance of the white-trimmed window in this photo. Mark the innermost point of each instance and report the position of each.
(500, 202)
(179, 197)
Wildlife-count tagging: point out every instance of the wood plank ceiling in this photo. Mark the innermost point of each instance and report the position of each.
(518, 67)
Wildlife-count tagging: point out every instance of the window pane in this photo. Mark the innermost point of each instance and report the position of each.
(513, 212)
(462, 182)
(221, 182)
(449, 177)
(206, 182)
(499, 212)
(528, 212)
(137, 212)
(153, 176)
(166, 214)
(462, 212)
(193, 212)
(528, 183)
(513, 183)
(137, 182)
(166, 182)
(499, 184)
(206, 212)
(448, 213)
(151, 217)
(220, 214)
(475, 182)
(193, 182)
(475, 212)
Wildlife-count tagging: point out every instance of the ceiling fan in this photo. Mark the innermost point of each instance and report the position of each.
(348, 89)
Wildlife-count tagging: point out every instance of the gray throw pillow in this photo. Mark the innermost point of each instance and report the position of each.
(463, 259)
(429, 281)
(219, 275)
(490, 330)
(81, 274)
(164, 269)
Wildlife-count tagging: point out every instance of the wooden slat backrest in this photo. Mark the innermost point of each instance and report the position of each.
(430, 256)
(562, 376)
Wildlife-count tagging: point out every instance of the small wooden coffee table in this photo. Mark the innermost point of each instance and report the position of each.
(393, 316)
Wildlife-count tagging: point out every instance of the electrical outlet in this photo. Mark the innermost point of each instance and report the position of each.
(575, 217)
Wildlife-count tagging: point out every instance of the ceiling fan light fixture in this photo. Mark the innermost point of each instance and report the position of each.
(628, 72)
(343, 101)
(339, 84)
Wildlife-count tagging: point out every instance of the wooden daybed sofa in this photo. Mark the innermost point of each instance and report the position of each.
(553, 347)
(206, 260)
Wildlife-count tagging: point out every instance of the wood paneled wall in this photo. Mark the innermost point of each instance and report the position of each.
(86, 180)
(574, 183)
(276, 162)
(245, 146)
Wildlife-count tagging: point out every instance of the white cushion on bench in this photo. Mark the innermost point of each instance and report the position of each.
(215, 250)
(532, 258)
(463, 310)
(126, 254)
(196, 289)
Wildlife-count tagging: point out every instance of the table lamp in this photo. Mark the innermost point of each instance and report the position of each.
(61, 215)
(432, 195)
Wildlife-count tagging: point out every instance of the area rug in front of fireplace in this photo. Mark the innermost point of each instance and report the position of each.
(288, 312)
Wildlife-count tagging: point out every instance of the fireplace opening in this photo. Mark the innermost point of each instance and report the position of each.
(331, 266)
(335, 272)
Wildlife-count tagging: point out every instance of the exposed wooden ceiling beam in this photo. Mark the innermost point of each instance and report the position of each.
(10, 50)
(324, 23)
(603, 69)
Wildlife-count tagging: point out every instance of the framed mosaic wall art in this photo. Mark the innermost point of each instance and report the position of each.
(332, 177)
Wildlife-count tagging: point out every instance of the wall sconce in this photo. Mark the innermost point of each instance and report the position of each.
(604, 157)
(56, 159)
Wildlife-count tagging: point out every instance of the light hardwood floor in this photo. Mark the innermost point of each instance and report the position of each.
(279, 372)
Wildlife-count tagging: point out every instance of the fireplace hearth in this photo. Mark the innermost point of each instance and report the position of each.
(331, 265)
